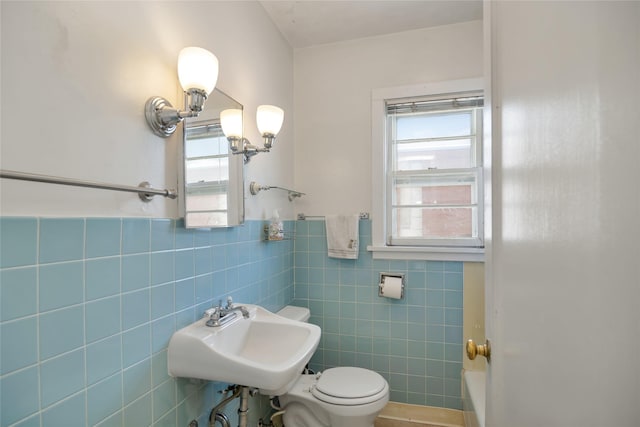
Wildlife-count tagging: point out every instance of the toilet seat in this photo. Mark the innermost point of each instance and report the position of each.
(349, 386)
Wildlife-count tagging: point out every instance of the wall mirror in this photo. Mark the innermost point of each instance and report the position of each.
(213, 177)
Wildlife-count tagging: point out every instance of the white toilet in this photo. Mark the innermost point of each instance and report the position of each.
(337, 397)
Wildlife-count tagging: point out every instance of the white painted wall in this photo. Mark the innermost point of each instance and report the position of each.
(333, 85)
(76, 75)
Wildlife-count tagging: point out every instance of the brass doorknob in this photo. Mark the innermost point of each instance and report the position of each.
(474, 349)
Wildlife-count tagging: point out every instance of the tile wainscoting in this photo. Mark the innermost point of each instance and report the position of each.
(88, 306)
(415, 343)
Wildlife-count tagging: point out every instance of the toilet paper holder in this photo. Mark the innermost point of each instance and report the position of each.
(394, 278)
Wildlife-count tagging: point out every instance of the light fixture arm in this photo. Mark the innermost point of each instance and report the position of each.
(245, 147)
(163, 118)
(269, 119)
(198, 74)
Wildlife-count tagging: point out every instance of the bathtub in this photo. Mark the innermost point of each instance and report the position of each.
(473, 399)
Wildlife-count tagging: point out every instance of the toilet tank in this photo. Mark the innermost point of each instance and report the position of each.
(292, 312)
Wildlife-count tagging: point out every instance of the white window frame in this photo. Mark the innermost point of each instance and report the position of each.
(379, 246)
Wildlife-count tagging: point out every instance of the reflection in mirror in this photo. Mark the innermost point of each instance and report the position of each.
(213, 177)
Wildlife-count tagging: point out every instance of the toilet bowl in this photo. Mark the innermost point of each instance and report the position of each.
(337, 397)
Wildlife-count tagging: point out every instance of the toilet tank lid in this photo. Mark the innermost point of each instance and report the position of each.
(292, 312)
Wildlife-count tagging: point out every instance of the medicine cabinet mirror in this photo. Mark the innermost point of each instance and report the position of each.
(213, 176)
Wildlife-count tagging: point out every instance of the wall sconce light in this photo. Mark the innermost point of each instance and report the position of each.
(198, 74)
(269, 119)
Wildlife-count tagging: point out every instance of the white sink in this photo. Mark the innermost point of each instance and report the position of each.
(265, 351)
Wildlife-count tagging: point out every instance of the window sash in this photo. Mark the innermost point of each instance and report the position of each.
(397, 178)
(472, 178)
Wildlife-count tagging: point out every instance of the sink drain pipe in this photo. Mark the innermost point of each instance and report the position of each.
(221, 418)
(244, 407)
(216, 415)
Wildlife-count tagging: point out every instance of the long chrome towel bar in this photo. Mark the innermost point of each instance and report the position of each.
(303, 217)
(144, 190)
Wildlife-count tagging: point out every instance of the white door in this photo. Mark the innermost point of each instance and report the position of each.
(563, 262)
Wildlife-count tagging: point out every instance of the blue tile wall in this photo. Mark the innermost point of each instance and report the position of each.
(415, 343)
(87, 307)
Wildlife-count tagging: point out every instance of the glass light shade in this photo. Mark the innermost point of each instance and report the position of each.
(231, 122)
(269, 119)
(197, 69)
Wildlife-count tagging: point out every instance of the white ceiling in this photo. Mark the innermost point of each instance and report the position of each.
(312, 22)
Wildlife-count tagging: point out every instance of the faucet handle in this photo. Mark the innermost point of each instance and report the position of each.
(212, 312)
(229, 303)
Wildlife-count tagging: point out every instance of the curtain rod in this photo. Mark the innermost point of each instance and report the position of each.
(144, 190)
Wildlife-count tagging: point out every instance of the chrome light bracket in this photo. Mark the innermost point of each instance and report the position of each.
(245, 147)
(163, 118)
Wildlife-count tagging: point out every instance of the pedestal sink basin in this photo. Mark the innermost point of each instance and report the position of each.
(265, 350)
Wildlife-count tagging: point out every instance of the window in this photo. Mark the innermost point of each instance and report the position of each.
(430, 184)
(434, 171)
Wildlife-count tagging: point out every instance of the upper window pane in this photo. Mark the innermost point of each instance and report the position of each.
(434, 125)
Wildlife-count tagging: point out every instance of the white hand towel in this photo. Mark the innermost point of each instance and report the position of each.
(342, 236)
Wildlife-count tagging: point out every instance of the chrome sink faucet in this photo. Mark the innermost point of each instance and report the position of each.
(220, 315)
